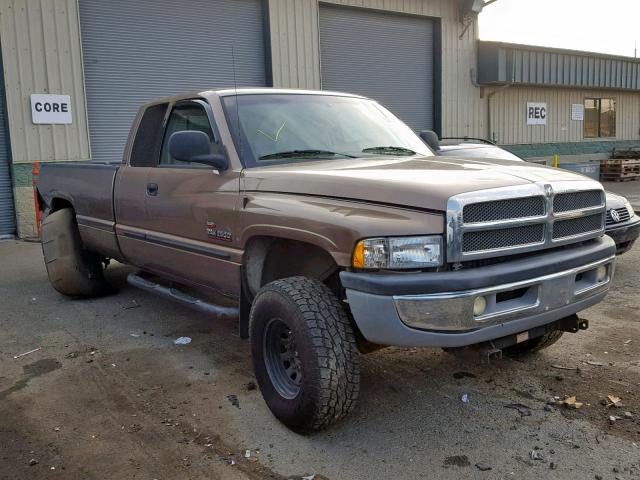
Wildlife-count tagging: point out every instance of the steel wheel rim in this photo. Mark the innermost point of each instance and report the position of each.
(281, 358)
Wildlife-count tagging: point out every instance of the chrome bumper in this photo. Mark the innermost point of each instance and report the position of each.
(455, 311)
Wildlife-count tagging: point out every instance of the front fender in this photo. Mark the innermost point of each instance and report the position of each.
(331, 224)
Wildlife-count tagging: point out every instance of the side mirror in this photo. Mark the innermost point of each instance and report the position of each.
(195, 146)
(431, 139)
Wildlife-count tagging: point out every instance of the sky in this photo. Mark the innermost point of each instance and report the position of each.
(603, 26)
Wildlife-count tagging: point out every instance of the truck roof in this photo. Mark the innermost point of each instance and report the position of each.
(226, 92)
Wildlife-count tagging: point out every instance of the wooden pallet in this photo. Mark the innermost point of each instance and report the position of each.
(620, 169)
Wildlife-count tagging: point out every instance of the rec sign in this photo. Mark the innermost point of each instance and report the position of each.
(536, 113)
(50, 109)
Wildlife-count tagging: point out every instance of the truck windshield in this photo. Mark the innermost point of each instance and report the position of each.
(286, 128)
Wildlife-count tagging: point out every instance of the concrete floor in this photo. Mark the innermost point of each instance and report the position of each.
(109, 395)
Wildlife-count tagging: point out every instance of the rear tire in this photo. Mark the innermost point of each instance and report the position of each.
(72, 270)
(304, 354)
(534, 345)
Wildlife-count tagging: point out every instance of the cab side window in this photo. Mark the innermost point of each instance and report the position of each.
(187, 117)
(148, 137)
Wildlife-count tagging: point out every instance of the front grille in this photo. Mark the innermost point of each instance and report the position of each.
(523, 219)
(478, 241)
(577, 226)
(566, 202)
(503, 210)
(624, 215)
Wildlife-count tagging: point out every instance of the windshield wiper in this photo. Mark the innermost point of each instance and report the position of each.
(303, 153)
(389, 150)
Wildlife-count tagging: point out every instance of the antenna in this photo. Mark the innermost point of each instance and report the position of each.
(235, 90)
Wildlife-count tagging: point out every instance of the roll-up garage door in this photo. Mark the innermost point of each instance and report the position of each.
(135, 51)
(384, 56)
(7, 214)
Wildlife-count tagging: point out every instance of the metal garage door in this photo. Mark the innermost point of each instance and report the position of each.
(138, 50)
(384, 56)
(7, 215)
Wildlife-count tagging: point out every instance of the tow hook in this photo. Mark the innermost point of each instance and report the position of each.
(481, 352)
(572, 324)
(490, 352)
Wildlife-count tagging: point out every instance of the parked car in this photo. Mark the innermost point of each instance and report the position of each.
(329, 227)
(622, 224)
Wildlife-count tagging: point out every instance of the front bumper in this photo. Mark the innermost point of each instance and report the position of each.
(625, 234)
(436, 309)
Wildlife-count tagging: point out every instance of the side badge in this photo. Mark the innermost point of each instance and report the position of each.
(218, 233)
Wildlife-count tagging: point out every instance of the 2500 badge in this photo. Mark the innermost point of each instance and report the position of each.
(218, 233)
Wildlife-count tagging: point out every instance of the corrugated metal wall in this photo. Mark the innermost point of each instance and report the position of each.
(509, 63)
(137, 51)
(41, 49)
(509, 115)
(296, 54)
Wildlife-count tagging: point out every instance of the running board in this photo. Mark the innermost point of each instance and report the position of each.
(178, 296)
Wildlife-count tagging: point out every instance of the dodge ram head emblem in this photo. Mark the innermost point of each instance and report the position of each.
(548, 190)
(615, 216)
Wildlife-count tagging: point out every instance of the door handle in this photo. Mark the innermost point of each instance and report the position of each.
(152, 189)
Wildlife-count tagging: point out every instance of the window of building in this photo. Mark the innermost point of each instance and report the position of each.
(599, 117)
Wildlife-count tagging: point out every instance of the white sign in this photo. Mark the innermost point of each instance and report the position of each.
(536, 113)
(577, 112)
(50, 109)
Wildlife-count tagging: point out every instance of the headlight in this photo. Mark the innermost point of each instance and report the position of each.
(399, 252)
(629, 208)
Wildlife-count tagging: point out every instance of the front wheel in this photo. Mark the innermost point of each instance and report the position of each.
(304, 353)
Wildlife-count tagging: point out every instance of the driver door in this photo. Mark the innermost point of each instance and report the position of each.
(192, 209)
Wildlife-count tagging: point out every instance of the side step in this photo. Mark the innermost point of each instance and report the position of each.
(178, 296)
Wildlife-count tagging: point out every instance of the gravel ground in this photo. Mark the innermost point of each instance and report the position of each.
(109, 395)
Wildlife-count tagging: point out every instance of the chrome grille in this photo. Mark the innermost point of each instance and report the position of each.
(566, 202)
(504, 209)
(577, 226)
(624, 216)
(482, 240)
(510, 220)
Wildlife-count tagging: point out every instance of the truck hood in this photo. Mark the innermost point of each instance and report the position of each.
(422, 182)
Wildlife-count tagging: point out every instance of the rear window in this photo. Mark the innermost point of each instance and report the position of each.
(146, 145)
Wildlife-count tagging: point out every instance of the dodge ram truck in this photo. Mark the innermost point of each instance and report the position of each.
(328, 228)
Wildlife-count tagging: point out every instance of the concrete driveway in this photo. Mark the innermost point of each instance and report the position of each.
(109, 395)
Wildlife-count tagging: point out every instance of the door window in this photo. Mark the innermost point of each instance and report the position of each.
(187, 117)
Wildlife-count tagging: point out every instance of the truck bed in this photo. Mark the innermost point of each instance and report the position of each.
(88, 186)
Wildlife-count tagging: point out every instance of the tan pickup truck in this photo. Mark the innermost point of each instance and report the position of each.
(328, 228)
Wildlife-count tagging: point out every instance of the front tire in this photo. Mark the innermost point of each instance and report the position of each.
(304, 354)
